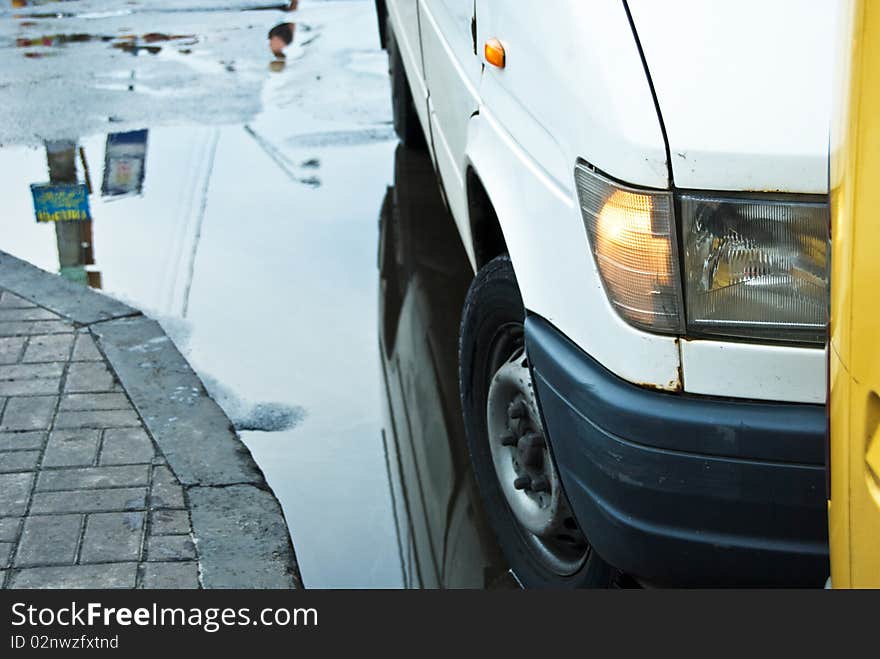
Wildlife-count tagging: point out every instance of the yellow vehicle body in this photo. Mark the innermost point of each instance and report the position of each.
(854, 350)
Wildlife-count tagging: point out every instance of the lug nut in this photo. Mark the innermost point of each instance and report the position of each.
(541, 484)
(523, 483)
(508, 439)
(531, 448)
(517, 410)
(533, 457)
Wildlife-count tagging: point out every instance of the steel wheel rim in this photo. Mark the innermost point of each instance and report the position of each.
(523, 465)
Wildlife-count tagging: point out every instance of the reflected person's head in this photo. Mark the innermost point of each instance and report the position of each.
(280, 37)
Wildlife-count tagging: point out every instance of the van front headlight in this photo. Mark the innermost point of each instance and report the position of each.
(755, 268)
(752, 267)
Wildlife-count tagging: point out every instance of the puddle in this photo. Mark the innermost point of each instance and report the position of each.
(424, 275)
(245, 415)
(97, 9)
(239, 198)
(128, 43)
(256, 252)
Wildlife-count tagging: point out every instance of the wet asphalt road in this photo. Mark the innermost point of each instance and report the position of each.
(241, 200)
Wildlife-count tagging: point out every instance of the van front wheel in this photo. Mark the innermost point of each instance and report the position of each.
(512, 459)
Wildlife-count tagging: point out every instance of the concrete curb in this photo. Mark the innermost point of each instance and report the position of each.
(79, 304)
(238, 524)
(192, 431)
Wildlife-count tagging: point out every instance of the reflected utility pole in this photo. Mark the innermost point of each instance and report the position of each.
(74, 239)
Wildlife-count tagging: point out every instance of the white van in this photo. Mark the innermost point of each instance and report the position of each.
(642, 191)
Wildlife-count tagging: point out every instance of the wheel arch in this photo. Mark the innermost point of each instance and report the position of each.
(487, 236)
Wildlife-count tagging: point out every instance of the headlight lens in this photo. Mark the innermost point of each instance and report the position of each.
(631, 234)
(755, 268)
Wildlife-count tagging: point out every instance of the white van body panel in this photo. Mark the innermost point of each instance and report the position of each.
(404, 21)
(744, 89)
(748, 370)
(554, 267)
(452, 71)
(575, 87)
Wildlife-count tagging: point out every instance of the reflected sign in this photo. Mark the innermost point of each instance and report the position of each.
(124, 163)
(61, 202)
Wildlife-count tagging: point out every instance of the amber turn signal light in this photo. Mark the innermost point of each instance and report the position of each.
(631, 233)
(494, 52)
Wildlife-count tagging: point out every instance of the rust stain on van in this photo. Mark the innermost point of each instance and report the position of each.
(673, 386)
(676, 385)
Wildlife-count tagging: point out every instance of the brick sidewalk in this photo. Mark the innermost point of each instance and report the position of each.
(86, 499)
(117, 469)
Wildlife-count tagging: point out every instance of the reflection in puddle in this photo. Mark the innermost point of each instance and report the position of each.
(133, 44)
(58, 40)
(129, 43)
(284, 162)
(238, 208)
(280, 37)
(444, 539)
(289, 5)
(69, 212)
(343, 138)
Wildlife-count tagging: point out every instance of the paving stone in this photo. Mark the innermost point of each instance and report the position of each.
(113, 575)
(5, 554)
(25, 328)
(88, 376)
(177, 575)
(28, 413)
(35, 387)
(9, 527)
(14, 492)
(170, 548)
(166, 491)
(10, 349)
(76, 447)
(31, 313)
(89, 501)
(51, 327)
(85, 349)
(169, 522)
(19, 441)
(15, 329)
(126, 446)
(22, 371)
(92, 478)
(49, 540)
(112, 537)
(88, 402)
(11, 301)
(52, 348)
(11, 461)
(97, 419)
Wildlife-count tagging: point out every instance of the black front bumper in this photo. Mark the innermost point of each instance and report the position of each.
(684, 489)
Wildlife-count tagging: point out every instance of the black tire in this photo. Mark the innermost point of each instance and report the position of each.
(493, 314)
(406, 121)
